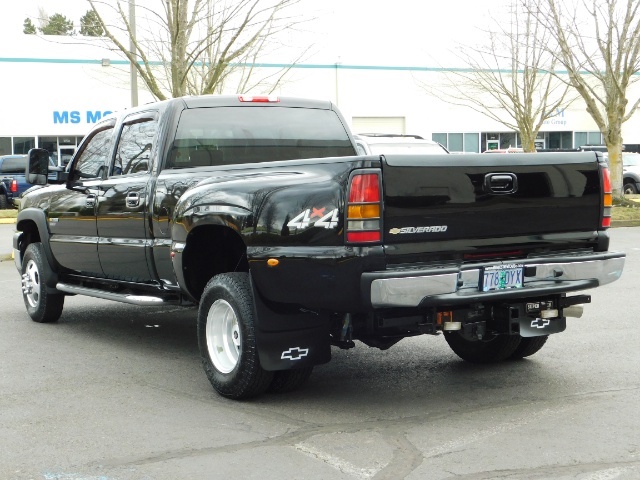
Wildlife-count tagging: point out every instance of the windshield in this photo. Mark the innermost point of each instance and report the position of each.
(631, 160)
(407, 148)
(233, 135)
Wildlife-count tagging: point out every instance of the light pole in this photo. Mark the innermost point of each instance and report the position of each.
(132, 49)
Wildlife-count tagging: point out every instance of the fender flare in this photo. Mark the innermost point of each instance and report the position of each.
(39, 218)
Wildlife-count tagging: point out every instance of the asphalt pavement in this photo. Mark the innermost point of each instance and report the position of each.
(6, 240)
(117, 392)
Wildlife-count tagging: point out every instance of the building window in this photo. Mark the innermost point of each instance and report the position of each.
(22, 145)
(587, 138)
(472, 142)
(508, 140)
(5, 145)
(458, 142)
(440, 138)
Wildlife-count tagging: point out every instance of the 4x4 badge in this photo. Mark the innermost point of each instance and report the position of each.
(294, 353)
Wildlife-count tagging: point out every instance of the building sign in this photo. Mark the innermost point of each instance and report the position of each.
(61, 117)
(557, 119)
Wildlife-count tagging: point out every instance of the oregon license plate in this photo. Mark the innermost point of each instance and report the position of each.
(502, 277)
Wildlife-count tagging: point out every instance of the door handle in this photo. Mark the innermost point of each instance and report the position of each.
(500, 183)
(133, 199)
(91, 200)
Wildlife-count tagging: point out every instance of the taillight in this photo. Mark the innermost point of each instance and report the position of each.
(364, 208)
(14, 186)
(259, 99)
(607, 197)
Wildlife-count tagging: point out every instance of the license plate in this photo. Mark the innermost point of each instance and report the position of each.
(502, 277)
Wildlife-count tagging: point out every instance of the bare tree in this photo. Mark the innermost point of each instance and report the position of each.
(508, 79)
(599, 46)
(199, 47)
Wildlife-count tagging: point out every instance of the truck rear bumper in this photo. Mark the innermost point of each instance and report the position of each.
(451, 285)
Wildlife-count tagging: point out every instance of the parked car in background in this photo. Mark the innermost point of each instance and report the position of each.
(12, 179)
(593, 148)
(630, 173)
(391, 143)
(505, 150)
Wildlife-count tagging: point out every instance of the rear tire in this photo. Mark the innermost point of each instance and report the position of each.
(227, 340)
(4, 204)
(42, 306)
(528, 346)
(289, 380)
(495, 349)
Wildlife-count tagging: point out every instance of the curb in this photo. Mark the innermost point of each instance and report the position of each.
(7, 221)
(625, 223)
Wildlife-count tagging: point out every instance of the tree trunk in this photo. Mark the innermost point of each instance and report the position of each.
(615, 166)
(528, 142)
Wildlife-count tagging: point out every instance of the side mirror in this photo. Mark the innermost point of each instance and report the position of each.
(38, 166)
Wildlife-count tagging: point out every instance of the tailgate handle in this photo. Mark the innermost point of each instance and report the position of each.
(500, 183)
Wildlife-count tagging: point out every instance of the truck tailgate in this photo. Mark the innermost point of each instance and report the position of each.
(448, 198)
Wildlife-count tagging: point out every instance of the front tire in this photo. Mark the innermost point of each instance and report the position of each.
(227, 339)
(42, 306)
(494, 349)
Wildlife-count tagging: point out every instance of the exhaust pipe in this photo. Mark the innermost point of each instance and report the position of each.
(574, 311)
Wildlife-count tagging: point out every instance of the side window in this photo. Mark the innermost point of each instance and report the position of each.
(134, 148)
(94, 158)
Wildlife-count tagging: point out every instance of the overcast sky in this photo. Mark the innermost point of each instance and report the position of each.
(364, 32)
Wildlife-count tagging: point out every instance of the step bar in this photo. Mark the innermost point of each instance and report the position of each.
(144, 300)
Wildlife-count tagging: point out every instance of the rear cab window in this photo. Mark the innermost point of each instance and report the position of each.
(237, 135)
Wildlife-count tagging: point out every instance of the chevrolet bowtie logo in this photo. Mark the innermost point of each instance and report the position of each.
(294, 353)
(540, 323)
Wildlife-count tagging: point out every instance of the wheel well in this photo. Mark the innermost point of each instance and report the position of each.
(30, 234)
(211, 250)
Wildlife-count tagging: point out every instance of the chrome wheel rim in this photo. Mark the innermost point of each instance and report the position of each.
(31, 284)
(223, 336)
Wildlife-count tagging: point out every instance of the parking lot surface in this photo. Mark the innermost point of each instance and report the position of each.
(117, 392)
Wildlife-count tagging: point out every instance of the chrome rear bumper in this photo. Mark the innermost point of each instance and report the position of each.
(453, 285)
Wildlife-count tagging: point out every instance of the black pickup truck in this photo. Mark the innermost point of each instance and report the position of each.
(258, 210)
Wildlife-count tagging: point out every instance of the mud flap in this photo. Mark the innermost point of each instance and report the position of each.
(537, 327)
(289, 337)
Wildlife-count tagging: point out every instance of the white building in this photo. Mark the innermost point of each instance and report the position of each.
(55, 88)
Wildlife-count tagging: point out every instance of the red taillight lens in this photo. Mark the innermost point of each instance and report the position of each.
(361, 237)
(607, 197)
(14, 186)
(364, 224)
(365, 188)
